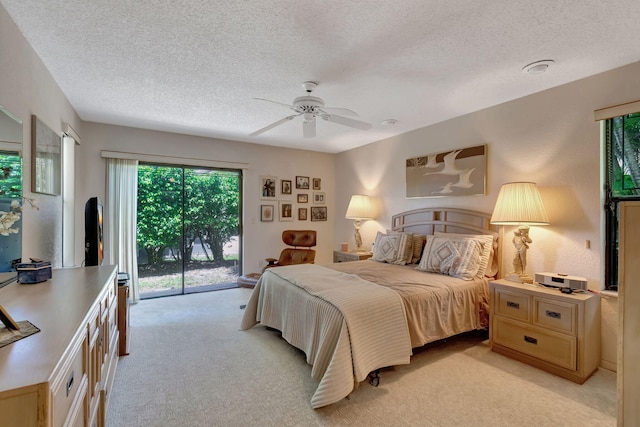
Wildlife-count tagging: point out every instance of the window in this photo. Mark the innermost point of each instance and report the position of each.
(622, 166)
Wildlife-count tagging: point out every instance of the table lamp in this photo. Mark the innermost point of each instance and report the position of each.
(519, 203)
(360, 208)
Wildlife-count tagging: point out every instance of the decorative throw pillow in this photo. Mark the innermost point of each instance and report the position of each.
(486, 257)
(385, 247)
(419, 242)
(405, 249)
(439, 257)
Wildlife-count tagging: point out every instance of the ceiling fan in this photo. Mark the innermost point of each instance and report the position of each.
(310, 107)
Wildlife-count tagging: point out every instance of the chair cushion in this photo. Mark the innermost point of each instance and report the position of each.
(304, 238)
(290, 256)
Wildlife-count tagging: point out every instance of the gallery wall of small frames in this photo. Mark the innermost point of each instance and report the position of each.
(297, 199)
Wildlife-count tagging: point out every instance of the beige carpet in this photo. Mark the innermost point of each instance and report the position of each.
(190, 365)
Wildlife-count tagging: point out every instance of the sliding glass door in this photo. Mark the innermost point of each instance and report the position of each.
(189, 229)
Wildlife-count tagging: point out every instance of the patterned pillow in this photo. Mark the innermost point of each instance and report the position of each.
(439, 257)
(405, 249)
(385, 247)
(486, 256)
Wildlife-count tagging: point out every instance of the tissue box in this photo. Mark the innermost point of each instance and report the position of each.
(34, 272)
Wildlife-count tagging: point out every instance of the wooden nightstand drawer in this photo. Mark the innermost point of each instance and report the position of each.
(514, 305)
(545, 328)
(556, 315)
(556, 348)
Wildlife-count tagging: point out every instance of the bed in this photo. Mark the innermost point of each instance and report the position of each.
(428, 280)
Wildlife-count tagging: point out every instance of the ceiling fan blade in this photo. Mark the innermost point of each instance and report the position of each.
(309, 128)
(339, 110)
(274, 124)
(346, 121)
(274, 102)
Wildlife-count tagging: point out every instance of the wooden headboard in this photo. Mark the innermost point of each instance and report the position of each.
(449, 220)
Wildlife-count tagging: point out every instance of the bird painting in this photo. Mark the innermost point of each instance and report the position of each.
(458, 172)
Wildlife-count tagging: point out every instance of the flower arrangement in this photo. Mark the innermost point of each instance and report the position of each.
(8, 219)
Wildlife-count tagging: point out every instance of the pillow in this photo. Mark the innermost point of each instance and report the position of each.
(455, 256)
(419, 241)
(385, 247)
(486, 257)
(405, 249)
(438, 256)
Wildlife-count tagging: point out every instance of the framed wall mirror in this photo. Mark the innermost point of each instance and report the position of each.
(46, 168)
(10, 190)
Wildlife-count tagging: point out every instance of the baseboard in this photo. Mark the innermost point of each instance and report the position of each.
(610, 366)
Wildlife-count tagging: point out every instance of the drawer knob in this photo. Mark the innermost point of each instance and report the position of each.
(530, 340)
(512, 304)
(553, 314)
(70, 384)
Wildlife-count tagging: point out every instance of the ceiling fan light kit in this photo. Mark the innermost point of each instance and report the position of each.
(310, 107)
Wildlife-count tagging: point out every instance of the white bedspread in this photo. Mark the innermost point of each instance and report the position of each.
(350, 329)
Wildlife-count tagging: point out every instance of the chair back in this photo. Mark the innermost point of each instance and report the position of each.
(300, 253)
(304, 238)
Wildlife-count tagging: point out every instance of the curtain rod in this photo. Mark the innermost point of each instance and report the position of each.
(159, 158)
(616, 110)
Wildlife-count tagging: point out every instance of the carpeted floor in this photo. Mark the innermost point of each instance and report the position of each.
(190, 365)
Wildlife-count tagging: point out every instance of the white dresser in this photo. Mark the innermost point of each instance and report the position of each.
(545, 328)
(62, 375)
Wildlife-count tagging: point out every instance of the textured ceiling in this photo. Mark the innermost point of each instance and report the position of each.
(194, 67)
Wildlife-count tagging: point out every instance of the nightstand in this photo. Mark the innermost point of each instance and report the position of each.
(339, 256)
(556, 332)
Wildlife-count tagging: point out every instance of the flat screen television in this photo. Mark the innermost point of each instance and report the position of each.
(93, 237)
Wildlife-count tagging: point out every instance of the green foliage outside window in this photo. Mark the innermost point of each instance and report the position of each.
(625, 155)
(10, 175)
(205, 210)
(623, 183)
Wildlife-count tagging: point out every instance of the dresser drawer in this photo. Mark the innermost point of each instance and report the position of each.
(67, 385)
(552, 347)
(107, 299)
(94, 323)
(513, 305)
(556, 315)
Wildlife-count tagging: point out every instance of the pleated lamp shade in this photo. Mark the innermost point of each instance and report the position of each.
(360, 207)
(519, 203)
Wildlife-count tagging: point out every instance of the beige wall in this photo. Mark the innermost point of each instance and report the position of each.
(262, 239)
(26, 88)
(549, 138)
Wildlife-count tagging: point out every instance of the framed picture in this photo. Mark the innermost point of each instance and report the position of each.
(266, 213)
(46, 172)
(7, 320)
(316, 184)
(286, 210)
(285, 186)
(302, 182)
(460, 172)
(303, 198)
(318, 213)
(318, 198)
(302, 214)
(268, 187)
